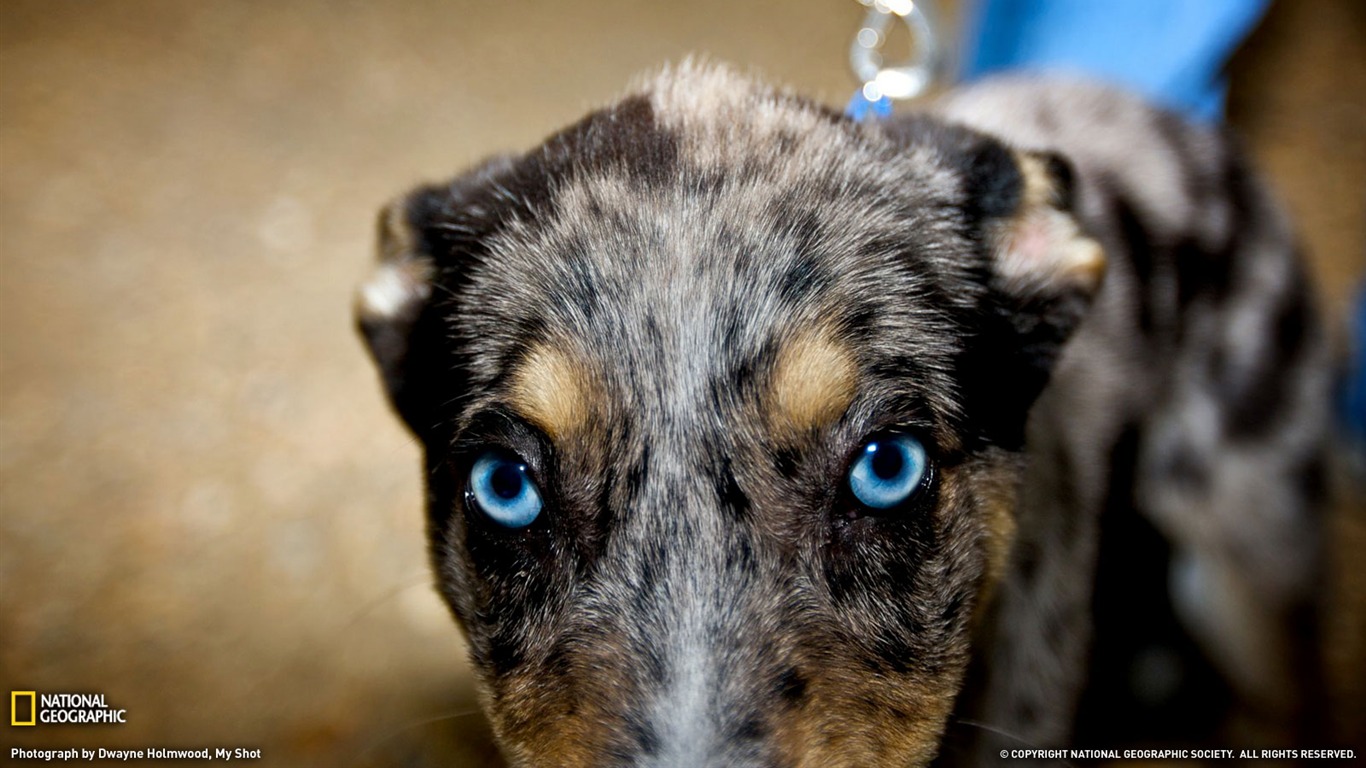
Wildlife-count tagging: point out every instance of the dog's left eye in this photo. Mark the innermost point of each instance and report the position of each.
(502, 488)
(888, 471)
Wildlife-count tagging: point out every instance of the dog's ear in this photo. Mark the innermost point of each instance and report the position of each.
(426, 239)
(1041, 272)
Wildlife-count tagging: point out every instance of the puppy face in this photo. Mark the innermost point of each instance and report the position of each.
(721, 396)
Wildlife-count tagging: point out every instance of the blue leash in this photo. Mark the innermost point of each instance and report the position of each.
(884, 81)
(860, 108)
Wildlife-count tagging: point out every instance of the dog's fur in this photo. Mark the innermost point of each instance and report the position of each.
(687, 311)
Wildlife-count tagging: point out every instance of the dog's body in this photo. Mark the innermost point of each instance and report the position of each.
(685, 320)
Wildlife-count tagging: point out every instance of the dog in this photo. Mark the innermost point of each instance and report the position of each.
(757, 436)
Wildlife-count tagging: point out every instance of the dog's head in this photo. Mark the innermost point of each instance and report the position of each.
(721, 397)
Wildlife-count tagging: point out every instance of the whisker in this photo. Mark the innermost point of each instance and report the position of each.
(370, 749)
(415, 579)
(1004, 734)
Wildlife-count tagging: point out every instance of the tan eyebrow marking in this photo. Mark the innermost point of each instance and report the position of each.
(813, 383)
(551, 391)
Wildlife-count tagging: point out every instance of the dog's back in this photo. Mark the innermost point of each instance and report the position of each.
(1168, 556)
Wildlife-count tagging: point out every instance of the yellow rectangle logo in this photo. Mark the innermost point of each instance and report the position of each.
(14, 698)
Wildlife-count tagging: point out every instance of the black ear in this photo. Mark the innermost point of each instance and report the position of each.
(1041, 272)
(390, 302)
(426, 240)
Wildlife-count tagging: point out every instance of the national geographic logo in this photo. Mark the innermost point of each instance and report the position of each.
(33, 708)
(15, 699)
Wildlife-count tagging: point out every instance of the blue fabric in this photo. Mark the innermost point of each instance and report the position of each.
(1172, 51)
(1354, 400)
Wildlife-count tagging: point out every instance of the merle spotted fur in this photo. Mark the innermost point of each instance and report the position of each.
(1118, 541)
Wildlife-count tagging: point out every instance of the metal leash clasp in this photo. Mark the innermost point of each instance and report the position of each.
(883, 82)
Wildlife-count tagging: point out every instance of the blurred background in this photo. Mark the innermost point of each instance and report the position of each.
(207, 512)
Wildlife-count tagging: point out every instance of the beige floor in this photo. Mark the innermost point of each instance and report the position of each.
(206, 511)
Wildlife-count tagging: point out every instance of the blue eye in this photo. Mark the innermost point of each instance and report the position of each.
(504, 491)
(888, 471)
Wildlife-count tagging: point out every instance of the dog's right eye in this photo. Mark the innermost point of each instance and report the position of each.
(502, 489)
